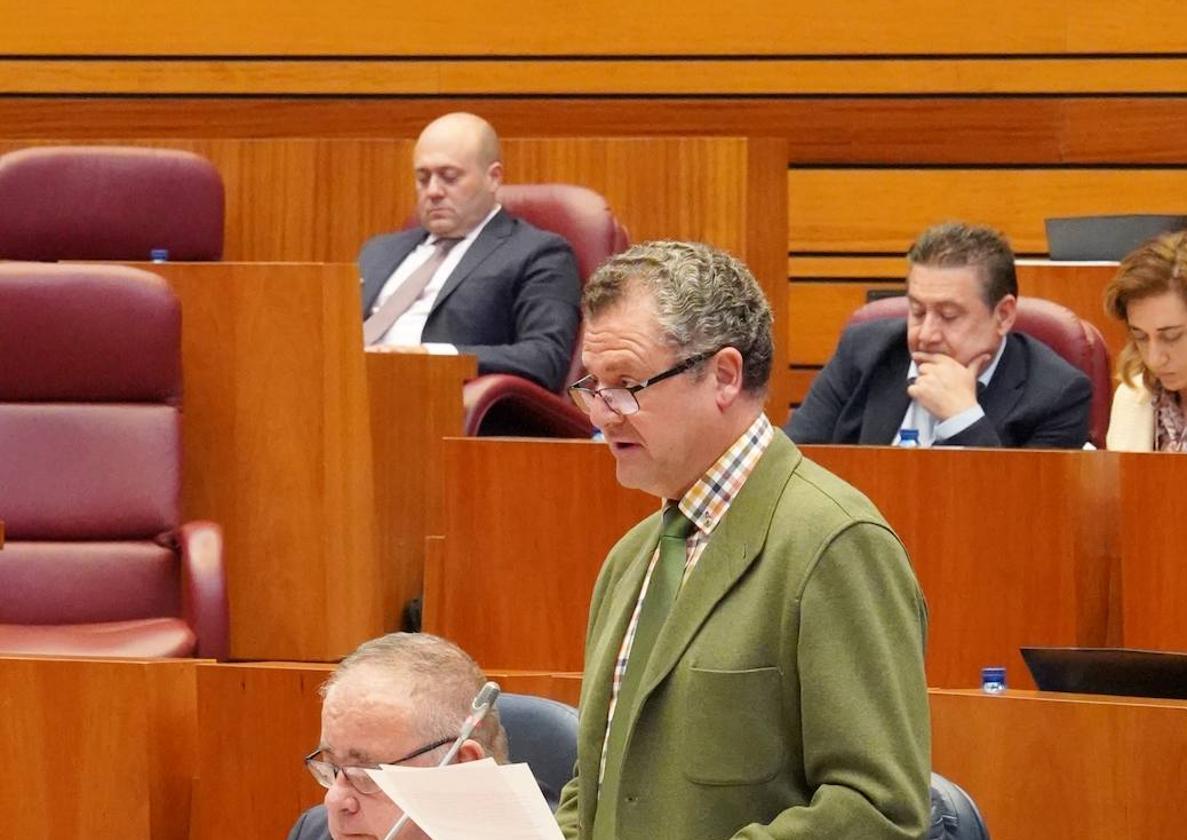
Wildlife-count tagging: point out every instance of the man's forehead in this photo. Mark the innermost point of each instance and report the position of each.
(932, 284)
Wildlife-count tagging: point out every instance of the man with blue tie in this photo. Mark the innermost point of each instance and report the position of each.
(953, 372)
(472, 278)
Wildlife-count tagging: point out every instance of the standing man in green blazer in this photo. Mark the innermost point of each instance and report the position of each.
(756, 671)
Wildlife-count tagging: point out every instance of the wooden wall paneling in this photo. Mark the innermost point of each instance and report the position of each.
(1153, 576)
(818, 315)
(98, 748)
(416, 400)
(1025, 558)
(835, 130)
(527, 525)
(619, 27)
(1078, 286)
(278, 451)
(989, 590)
(838, 75)
(1043, 765)
(883, 210)
(257, 722)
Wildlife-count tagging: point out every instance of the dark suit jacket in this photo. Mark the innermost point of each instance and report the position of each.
(1035, 398)
(513, 301)
(312, 825)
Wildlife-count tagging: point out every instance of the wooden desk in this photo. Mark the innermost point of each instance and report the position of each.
(256, 724)
(1010, 547)
(322, 548)
(97, 748)
(1153, 574)
(1043, 765)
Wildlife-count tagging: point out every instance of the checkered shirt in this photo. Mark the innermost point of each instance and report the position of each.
(704, 504)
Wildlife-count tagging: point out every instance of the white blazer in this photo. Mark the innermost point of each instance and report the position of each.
(1131, 422)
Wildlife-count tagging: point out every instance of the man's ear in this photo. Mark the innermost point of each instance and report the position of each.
(727, 371)
(470, 750)
(1005, 313)
(494, 173)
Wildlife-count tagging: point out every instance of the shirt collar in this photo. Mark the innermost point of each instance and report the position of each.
(709, 498)
(473, 234)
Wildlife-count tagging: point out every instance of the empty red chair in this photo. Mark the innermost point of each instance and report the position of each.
(96, 561)
(109, 203)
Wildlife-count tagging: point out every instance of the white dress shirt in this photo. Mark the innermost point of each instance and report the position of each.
(405, 332)
(930, 429)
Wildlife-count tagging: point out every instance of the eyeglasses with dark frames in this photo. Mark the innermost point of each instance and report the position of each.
(622, 400)
(325, 772)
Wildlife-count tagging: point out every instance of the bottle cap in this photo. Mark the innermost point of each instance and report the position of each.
(994, 673)
(159, 254)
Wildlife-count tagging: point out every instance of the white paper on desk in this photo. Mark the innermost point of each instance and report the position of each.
(475, 800)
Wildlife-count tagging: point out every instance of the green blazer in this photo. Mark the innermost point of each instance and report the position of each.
(785, 696)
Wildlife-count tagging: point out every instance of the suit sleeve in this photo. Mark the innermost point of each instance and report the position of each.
(1061, 422)
(546, 314)
(864, 710)
(567, 810)
(815, 421)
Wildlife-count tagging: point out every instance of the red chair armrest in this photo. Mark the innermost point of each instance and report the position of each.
(505, 404)
(204, 587)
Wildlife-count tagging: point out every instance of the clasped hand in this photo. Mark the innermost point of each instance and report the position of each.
(944, 386)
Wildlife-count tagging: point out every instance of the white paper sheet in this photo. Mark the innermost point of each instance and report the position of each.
(475, 800)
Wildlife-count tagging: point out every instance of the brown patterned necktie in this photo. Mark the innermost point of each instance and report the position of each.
(381, 320)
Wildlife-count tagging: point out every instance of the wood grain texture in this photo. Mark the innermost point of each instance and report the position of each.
(416, 400)
(829, 130)
(257, 722)
(992, 590)
(987, 594)
(688, 76)
(1153, 577)
(883, 210)
(278, 451)
(527, 525)
(1044, 765)
(817, 313)
(617, 27)
(100, 748)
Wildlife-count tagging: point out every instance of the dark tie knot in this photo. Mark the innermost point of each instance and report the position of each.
(675, 524)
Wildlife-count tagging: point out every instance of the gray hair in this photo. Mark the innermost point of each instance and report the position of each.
(705, 299)
(432, 676)
(960, 244)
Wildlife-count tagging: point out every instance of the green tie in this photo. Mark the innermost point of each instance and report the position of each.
(657, 603)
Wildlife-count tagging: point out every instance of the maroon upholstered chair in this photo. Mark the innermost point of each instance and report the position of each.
(95, 561)
(505, 404)
(1077, 341)
(109, 203)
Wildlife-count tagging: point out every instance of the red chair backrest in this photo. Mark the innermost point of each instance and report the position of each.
(1076, 340)
(581, 216)
(90, 426)
(109, 203)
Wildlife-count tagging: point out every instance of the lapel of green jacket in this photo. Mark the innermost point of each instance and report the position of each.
(733, 547)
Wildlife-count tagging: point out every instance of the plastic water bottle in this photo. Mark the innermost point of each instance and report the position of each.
(993, 679)
(159, 255)
(908, 438)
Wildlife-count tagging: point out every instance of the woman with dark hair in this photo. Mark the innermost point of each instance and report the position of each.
(1149, 294)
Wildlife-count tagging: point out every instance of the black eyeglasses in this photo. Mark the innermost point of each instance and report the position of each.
(325, 772)
(622, 400)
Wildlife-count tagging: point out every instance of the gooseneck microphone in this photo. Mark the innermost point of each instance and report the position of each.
(483, 702)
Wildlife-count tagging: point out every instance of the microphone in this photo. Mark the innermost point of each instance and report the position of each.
(484, 701)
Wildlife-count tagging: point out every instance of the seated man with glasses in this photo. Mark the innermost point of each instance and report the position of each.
(398, 699)
(754, 652)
